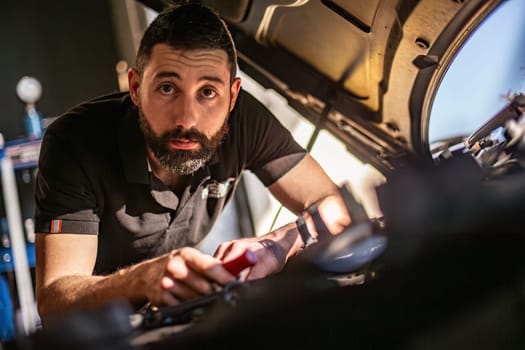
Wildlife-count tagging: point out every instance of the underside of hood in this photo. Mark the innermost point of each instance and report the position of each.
(367, 71)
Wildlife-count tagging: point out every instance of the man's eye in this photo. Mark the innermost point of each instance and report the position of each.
(209, 93)
(166, 88)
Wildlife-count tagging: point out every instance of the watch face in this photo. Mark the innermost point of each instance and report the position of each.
(29, 89)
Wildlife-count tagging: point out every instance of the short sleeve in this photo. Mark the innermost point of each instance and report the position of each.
(64, 200)
(269, 148)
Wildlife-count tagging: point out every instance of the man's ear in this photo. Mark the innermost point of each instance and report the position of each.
(134, 85)
(235, 88)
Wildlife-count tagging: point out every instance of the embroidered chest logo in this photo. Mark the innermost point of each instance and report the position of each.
(215, 189)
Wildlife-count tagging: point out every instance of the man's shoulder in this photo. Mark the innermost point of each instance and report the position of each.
(249, 112)
(98, 112)
(97, 107)
(246, 100)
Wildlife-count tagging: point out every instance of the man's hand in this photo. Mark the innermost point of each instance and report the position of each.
(271, 254)
(183, 274)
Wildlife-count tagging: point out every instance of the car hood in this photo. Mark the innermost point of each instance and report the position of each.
(367, 71)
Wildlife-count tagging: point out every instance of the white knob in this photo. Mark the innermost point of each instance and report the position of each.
(29, 89)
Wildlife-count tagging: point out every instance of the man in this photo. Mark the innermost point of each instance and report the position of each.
(129, 183)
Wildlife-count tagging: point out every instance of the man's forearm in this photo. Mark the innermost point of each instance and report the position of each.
(287, 238)
(331, 210)
(88, 292)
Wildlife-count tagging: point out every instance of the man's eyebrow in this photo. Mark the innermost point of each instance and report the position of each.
(166, 75)
(171, 74)
(213, 78)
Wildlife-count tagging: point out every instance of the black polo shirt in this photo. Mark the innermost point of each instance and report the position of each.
(93, 178)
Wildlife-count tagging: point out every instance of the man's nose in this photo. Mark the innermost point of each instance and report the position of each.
(186, 113)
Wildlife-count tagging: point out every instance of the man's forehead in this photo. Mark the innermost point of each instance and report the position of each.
(188, 56)
(209, 62)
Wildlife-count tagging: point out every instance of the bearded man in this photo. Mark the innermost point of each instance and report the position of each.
(128, 184)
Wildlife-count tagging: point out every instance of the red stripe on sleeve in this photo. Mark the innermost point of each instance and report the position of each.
(56, 226)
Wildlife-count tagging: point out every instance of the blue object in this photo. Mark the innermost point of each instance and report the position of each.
(6, 257)
(6, 254)
(7, 326)
(33, 124)
(356, 255)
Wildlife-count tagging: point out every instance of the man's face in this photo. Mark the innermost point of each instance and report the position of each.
(181, 161)
(184, 99)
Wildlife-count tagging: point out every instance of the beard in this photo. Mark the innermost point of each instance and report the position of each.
(181, 162)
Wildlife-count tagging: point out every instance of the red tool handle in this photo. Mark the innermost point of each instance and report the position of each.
(241, 262)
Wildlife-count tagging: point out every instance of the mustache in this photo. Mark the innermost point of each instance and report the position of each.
(190, 134)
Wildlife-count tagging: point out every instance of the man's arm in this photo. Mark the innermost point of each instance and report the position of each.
(307, 184)
(304, 185)
(64, 279)
(64, 264)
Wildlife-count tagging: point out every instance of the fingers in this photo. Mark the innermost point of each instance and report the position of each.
(224, 250)
(334, 213)
(189, 274)
(235, 248)
(205, 265)
(270, 256)
(167, 298)
(182, 290)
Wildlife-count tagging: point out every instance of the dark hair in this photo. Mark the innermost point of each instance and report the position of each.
(189, 26)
